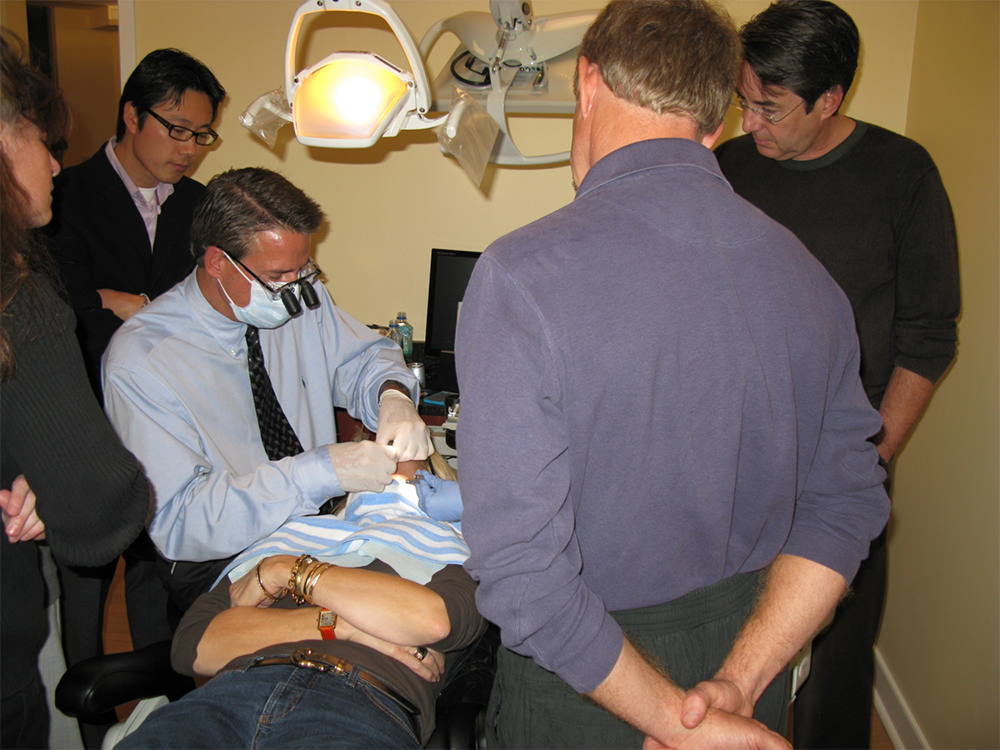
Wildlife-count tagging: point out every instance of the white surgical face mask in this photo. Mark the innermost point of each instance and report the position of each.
(262, 312)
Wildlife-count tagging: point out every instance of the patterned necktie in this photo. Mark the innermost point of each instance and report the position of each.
(276, 433)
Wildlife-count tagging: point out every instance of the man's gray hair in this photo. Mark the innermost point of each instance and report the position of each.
(678, 57)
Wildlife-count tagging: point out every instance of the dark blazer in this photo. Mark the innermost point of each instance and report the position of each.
(100, 242)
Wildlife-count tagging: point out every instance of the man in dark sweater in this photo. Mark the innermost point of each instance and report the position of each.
(870, 205)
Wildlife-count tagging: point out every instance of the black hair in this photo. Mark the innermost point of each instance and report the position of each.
(806, 46)
(242, 202)
(164, 75)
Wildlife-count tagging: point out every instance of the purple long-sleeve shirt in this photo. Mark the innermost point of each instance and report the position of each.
(659, 390)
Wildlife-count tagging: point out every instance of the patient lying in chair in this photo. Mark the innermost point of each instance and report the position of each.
(331, 633)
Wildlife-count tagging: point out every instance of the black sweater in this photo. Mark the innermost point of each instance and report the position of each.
(92, 496)
(875, 213)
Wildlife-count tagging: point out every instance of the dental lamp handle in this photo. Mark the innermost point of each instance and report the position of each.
(374, 7)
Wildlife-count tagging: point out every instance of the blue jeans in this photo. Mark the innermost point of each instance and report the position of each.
(280, 706)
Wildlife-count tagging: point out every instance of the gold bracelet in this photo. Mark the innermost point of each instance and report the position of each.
(295, 579)
(312, 578)
(281, 594)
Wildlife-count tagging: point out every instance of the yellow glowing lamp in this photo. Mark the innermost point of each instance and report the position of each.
(353, 97)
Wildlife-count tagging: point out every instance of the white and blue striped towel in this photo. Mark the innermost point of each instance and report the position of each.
(388, 526)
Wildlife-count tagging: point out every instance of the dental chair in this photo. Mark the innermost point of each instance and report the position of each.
(97, 685)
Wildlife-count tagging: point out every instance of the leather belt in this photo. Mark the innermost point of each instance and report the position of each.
(306, 657)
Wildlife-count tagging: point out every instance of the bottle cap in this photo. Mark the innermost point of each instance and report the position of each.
(401, 315)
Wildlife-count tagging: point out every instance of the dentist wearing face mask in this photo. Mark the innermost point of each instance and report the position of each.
(230, 463)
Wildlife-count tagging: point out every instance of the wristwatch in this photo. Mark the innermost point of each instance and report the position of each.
(327, 622)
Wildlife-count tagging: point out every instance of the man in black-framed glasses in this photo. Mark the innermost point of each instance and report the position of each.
(120, 228)
(180, 133)
(121, 220)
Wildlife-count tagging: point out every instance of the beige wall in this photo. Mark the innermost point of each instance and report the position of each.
(929, 69)
(87, 61)
(14, 16)
(940, 632)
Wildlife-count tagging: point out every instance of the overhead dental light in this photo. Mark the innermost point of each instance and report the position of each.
(351, 99)
(507, 61)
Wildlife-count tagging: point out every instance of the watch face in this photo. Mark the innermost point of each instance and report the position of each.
(327, 619)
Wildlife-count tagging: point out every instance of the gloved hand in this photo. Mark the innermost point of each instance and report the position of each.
(364, 466)
(439, 498)
(399, 424)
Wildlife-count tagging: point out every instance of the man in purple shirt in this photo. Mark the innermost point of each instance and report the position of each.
(667, 480)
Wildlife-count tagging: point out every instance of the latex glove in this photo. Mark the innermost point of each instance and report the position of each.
(439, 498)
(364, 466)
(20, 518)
(400, 425)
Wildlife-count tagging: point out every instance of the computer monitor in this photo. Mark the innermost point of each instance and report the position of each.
(450, 273)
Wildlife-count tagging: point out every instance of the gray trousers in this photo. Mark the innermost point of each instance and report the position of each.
(689, 637)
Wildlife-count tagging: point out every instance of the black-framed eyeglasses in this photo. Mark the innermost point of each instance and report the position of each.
(765, 114)
(287, 292)
(180, 133)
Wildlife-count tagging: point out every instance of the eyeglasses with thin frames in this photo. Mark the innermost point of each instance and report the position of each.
(765, 114)
(180, 133)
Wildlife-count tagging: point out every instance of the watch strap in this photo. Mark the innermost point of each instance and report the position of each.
(326, 623)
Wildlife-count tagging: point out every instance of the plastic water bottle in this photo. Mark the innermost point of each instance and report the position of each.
(394, 332)
(405, 336)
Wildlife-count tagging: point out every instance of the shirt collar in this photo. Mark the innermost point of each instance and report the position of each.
(229, 334)
(163, 189)
(837, 152)
(658, 153)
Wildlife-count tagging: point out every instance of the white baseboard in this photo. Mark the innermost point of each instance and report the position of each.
(899, 722)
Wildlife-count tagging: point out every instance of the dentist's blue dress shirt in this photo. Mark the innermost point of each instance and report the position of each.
(177, 391)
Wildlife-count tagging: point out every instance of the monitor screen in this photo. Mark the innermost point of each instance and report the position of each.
(450, 272)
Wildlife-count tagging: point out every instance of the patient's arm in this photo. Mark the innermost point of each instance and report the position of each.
(245, 630)
(388, 613)
(385, 605)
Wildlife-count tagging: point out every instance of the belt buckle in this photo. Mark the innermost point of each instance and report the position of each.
(306, 657)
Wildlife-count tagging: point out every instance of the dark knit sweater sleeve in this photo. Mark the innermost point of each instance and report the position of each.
(927, 290)
(91, 493)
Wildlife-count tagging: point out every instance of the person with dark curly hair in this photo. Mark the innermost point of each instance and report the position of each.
(66, 478)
